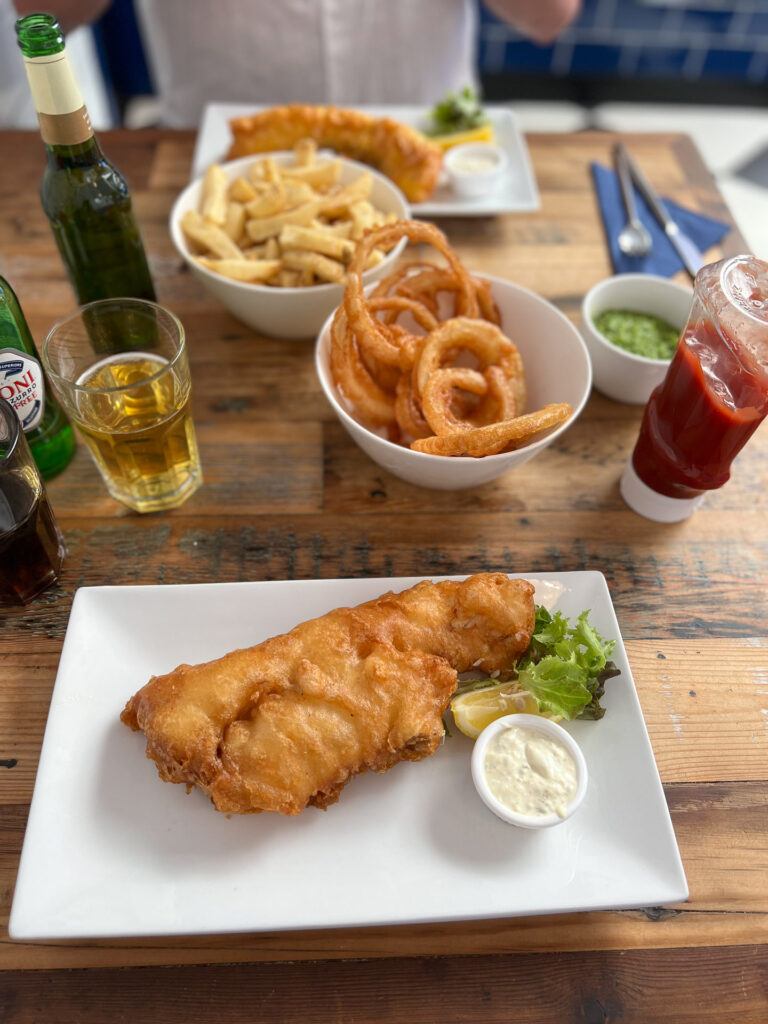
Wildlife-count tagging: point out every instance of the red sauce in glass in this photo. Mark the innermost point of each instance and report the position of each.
(701, 415)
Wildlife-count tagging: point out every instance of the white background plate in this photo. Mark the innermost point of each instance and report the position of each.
(110, 850)
(515, 193)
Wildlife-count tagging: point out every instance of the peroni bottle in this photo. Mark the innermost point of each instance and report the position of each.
(84, 196)
(22, 384)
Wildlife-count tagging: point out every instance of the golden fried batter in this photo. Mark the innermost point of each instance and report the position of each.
(397, 150)
(287, 723)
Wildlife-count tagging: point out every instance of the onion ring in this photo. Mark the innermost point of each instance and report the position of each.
(495, 437)
(483, 339)
(511, 366)
(408, 413)
(402, 304)
(353, 379)
(432, 281)
(437, 394)
(371, 332)
(424, 285)
(488, 308)
(501, 401)
(385, 376)
(389, 284)
(445, 385)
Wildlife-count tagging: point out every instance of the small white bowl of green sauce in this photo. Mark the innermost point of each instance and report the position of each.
(630, 324)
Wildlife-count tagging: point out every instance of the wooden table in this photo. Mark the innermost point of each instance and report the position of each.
(691, 601)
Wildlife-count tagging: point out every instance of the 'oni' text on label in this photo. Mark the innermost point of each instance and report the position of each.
(22, 386)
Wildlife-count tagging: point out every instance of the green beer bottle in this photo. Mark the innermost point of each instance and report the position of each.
(48, 431)
(84, 196)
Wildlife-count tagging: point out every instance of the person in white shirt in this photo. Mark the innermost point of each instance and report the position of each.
(342, 52)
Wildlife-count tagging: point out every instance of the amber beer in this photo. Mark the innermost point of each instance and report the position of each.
(132, 406)
(141, 436)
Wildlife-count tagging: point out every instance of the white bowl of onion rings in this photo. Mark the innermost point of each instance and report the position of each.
(276, 311)
(557, 371)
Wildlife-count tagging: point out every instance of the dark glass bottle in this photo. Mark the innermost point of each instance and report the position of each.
(48, 431)
(84, 196)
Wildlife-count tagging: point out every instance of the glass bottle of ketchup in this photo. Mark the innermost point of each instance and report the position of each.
(713, 398)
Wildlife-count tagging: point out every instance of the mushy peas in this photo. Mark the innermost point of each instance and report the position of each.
(638, 333)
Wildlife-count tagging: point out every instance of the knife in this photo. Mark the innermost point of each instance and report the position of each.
(684, 246)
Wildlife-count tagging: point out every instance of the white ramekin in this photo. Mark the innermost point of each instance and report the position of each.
(548, 728)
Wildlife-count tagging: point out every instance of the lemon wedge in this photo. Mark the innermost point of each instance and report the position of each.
(483, 133)
(473, 710)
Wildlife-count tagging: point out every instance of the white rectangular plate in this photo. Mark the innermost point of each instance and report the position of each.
(515, 193)
(110, 850)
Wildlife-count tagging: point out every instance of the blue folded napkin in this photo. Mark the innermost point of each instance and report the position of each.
(662, 259)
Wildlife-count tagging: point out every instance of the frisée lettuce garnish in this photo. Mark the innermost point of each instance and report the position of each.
(456, 112)
(566, 666)
(564, 672)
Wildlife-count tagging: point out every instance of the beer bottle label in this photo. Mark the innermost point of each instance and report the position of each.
(22, 385)
(63, 118)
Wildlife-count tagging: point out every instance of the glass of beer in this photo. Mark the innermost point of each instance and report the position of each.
(120, 368)
(31, 546)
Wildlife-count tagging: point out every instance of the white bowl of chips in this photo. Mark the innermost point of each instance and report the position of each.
(222, 223)
(557, 370)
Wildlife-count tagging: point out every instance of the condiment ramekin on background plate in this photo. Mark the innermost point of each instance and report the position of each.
(462, 167)
(617, 373)
(548, 728)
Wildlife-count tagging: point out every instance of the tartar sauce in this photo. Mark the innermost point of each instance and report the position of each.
(475, 162)
(530, 773)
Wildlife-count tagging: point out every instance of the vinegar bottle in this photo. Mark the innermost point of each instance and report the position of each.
(84, 196)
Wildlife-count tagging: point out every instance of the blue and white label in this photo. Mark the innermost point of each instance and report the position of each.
(23, 386)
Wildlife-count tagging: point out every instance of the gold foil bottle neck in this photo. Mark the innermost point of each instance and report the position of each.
(65, 129)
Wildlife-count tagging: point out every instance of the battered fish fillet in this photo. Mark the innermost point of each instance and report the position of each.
(287, 723)
(397, 150)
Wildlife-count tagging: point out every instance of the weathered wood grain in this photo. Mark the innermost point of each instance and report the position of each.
(680, 987)
(655, 928)
(239, 474)
(704, 577)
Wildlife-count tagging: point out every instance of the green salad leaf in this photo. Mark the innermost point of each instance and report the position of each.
(566, 666)
(456, 112)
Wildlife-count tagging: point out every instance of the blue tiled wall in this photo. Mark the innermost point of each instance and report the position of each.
(685, 39)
